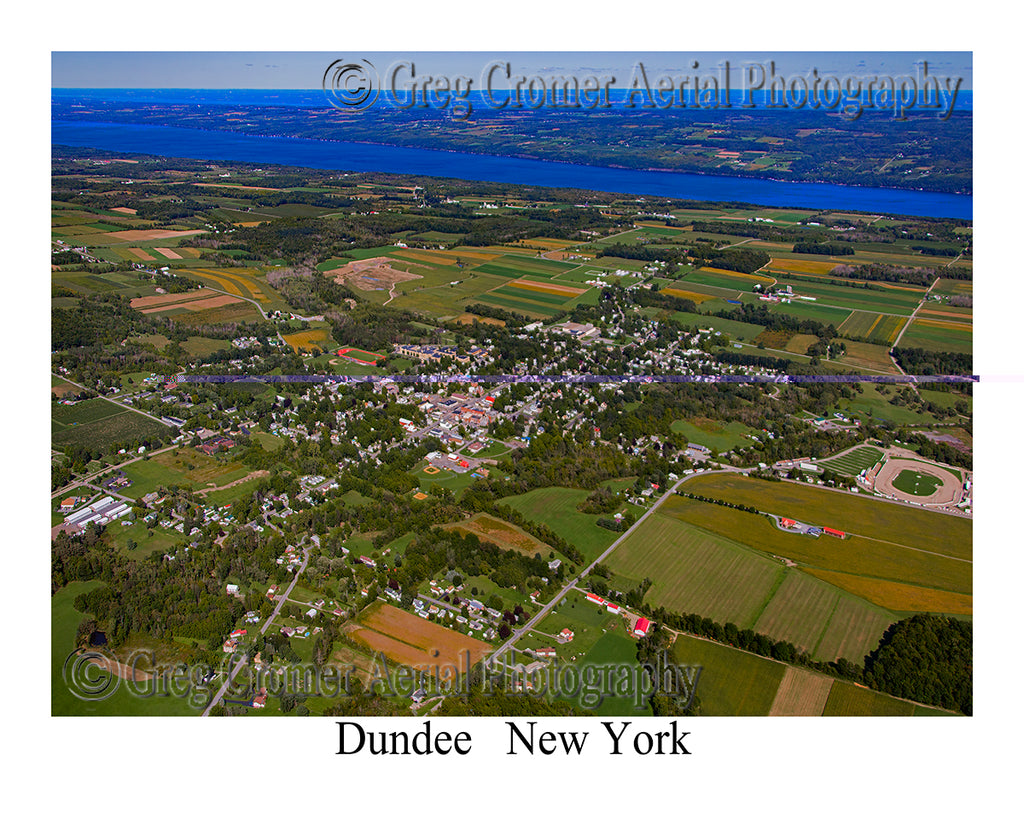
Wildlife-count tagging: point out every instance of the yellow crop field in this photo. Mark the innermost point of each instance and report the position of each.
(812, 266)
(307, 339)
(696, 298)
(958, 326)
(899, 596)
(543, 287)
(732, 274)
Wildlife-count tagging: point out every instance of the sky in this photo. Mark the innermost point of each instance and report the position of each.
(305, 70)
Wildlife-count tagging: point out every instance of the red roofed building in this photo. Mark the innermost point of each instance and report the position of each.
(787, 523)
(593, 598)
(643, 625)
(833, 532)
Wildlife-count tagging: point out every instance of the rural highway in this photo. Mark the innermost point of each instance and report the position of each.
(263, 629)
(89, 478)
(112, 401)
(519, 632)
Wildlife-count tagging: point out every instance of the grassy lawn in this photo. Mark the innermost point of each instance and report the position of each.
(713, 434)
(64, 620)
(556, 508)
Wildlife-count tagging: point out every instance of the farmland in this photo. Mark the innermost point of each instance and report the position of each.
(886, 542)
(854, 461)
(735, 683)
(99, 422)
(412, 641)
(696, 571)
(501, 533)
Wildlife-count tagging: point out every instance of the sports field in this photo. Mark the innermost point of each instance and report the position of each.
(916, 483)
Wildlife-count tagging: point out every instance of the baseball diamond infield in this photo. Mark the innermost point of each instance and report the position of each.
(948, 492)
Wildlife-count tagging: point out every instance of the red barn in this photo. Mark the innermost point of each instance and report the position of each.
(833, 532)
(786, 522)
(643, 625)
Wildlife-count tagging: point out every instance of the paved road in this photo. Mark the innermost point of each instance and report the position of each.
(115, 403)
(540, 615)
(263, 630)
(89, 478)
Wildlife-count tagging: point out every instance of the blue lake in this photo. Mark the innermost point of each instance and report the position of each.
(352, 156)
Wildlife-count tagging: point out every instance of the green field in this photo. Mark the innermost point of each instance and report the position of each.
(695, 571)
(713, 434)
(556, 507)
(885, 542)
(181, 467)
(732, 682)
(916, 483)
(947, 337)
(848, 700)
(98, 422)
(64, 620)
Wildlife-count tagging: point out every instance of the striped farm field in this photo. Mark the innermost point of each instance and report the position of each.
(939, 336)
(802, 612)
(506, 271)
(167, 253)
(860, 324)
(518, 305)
(853, 462)
(196, 305)
(875, 327)
(546, 244)
(899, 596)
(886, 331)
(552, 288)
(801, 693)
(144, 302)
(473, 255)
(530, 295)
(960, 314)
(816, 268)
(433, 256)
(798, 611)
(853, 630)
(692, 295)
(696, 571)
(140, 254)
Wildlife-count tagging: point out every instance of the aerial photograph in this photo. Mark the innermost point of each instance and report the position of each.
(526, 384)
